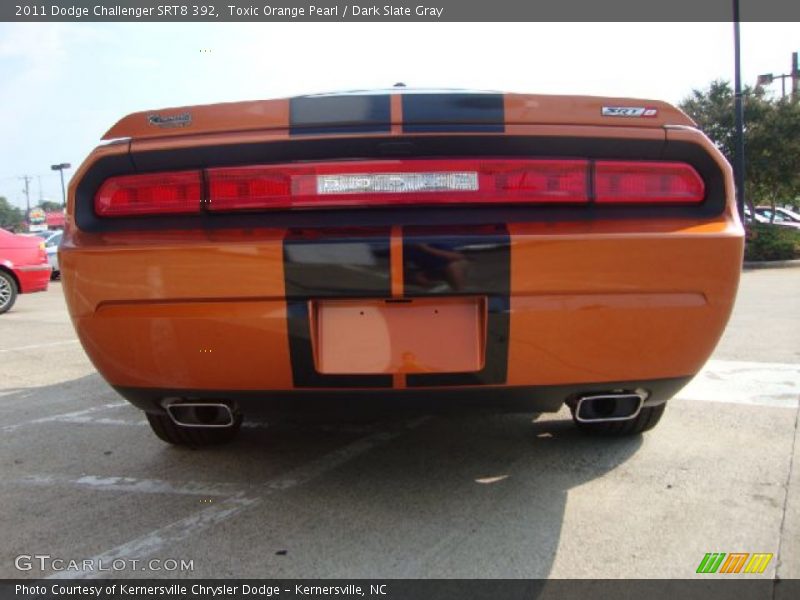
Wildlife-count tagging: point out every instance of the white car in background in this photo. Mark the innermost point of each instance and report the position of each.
(783, 216)
(52, 239)
(759, 218)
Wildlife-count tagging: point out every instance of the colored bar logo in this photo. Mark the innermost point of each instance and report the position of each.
(736, 562)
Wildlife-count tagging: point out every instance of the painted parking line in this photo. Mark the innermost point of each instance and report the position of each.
(85, 418)
(153, 541)
(129, 485)
(89, 419)
(92, 420)
(37, 346)
(60, 416)
(743, 382)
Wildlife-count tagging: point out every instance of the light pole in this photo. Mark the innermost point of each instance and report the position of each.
(60, 168)
(738, 166)
(768, 78)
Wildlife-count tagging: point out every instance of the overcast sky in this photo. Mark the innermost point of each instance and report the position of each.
(62, 85)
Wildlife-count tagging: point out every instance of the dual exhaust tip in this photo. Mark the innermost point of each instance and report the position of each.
(594, 408)
(199, 414)
(607, 407)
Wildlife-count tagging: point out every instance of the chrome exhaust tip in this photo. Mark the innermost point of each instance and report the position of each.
(603, 408)
(200, 414)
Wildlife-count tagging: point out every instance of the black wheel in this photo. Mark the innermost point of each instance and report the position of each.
(8, 291)
(647, 418)
(167, 430)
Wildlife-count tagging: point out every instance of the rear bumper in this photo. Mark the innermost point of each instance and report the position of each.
(517, 399)
(566, 304)
(33, 278)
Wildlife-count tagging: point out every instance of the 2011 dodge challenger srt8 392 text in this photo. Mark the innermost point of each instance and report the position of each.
(426, 249)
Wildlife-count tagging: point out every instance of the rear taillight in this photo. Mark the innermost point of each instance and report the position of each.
(153, 194)
(649, 183)
(401, 182)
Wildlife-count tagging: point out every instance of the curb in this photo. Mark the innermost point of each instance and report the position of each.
(770, 264)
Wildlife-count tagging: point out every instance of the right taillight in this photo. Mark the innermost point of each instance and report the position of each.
(618, 182)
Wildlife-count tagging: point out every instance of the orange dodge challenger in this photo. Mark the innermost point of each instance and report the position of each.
(428, 249)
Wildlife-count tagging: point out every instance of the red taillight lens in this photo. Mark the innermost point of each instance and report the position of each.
(418, 182)
(154, 194)
(249, 187)
(647, 183)
(401, 182)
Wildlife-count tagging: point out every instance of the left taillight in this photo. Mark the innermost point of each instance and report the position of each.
(151, 194)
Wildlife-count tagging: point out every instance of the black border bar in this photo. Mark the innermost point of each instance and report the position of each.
(332, 11)
(741, 587)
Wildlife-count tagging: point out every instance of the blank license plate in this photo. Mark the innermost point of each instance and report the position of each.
(421, 335)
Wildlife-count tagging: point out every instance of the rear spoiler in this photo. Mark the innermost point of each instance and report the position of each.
(397, 112)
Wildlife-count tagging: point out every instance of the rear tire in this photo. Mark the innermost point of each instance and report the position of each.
(8, 291)
(167, 430)
(647, 418)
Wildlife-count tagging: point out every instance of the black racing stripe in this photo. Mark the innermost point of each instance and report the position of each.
(350, 263)
(463, 261)
(339, 114)
(426, 113)
(321, 264)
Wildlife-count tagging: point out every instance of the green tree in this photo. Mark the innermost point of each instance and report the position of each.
(771, 138)
(48, 206)
(773, 155)
(11, 217)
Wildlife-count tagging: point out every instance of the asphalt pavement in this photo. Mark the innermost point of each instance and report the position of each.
(82, 478)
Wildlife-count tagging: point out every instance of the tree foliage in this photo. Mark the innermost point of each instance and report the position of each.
(771, 138)
(49, 206)
(11, 217)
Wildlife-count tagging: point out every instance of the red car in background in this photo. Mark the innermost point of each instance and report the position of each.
(23, 267)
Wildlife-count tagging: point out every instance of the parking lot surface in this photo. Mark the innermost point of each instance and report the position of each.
(83, 477)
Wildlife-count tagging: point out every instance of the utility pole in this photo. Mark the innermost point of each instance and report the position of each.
(27, 181)
(795, 76)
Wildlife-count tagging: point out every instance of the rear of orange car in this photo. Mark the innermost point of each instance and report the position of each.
(427, 249)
